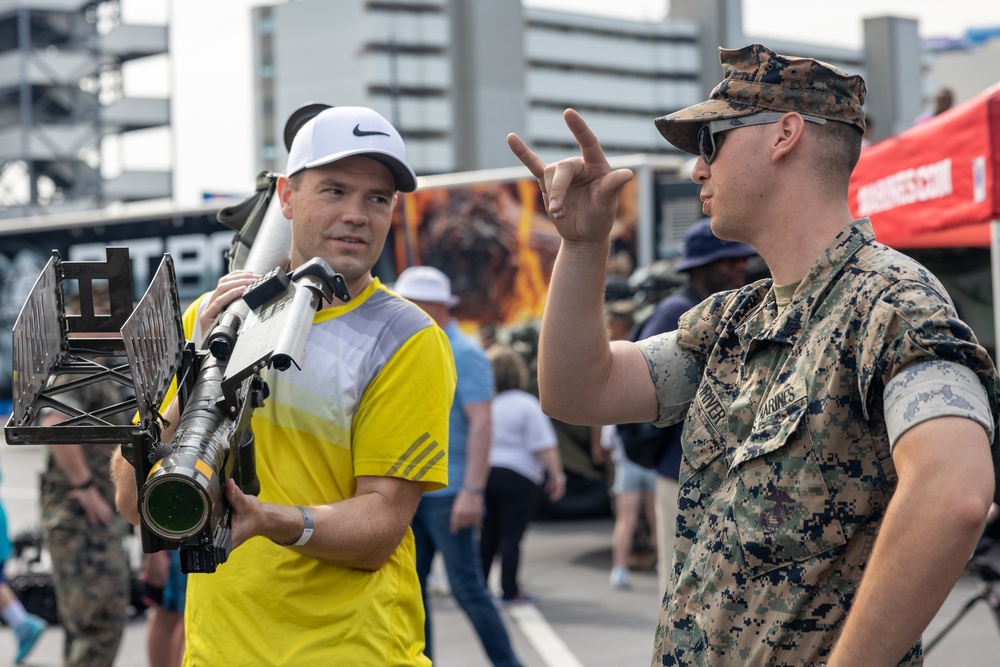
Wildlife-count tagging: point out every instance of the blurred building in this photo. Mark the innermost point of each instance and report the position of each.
(61, 98)
(457, 75)
(968, 65)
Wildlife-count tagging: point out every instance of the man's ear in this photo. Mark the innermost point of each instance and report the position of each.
(786, 135)
(284, 192)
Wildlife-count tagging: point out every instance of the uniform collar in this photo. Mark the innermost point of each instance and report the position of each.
(786, 328)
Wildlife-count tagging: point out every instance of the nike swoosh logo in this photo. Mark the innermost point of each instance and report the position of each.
(358, 132)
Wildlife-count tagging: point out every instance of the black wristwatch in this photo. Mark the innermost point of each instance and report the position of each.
(86, 485)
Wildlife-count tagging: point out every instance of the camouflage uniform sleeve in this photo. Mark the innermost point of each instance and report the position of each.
(933, 389)
(675, 373)
(676, 359)
(914, 325)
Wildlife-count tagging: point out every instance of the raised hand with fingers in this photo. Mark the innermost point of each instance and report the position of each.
(580, 193)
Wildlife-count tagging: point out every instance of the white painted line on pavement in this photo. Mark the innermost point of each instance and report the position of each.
(549, 646)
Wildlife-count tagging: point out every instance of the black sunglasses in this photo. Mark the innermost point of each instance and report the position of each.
(707, 146)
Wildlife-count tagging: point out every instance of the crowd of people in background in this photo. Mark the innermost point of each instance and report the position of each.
(446, 520)
(437, 445)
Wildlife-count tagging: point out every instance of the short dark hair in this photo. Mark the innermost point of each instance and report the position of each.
(509, 368)
(839, 148)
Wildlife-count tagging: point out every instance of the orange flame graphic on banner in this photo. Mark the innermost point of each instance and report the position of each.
(530, 286)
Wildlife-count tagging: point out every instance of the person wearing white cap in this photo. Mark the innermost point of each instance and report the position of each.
(446, 520)
(322, 568)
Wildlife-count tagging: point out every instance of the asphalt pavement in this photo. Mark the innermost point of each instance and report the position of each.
(579, 620)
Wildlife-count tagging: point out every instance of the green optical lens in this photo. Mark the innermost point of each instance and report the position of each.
(174, 508)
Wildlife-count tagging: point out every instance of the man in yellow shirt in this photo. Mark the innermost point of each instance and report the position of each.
(322, 567)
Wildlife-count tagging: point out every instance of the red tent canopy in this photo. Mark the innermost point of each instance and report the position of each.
(935, 185)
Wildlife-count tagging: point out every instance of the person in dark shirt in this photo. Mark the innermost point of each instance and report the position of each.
(712, 265)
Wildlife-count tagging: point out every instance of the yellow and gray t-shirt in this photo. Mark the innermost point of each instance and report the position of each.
(372, 398)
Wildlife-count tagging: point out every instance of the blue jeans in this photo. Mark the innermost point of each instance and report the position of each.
(465, 576)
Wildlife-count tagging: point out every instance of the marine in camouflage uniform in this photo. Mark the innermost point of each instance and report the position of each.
(807, 403)
(89, 566)
(787, 470)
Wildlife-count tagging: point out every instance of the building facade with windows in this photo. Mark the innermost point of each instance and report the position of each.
(61, 98)
(457, 75)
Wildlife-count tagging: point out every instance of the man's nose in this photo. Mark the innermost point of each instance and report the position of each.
(701, 172)
(355, 210)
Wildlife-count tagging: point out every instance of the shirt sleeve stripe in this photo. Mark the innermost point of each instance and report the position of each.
(430, 464)
(409, 452)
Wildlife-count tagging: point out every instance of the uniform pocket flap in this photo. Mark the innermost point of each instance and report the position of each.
(776, 422)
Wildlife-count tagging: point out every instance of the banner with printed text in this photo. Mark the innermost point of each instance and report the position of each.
(934, 185)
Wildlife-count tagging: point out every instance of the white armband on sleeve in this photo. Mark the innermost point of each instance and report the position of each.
(676, 375)
(934, 389)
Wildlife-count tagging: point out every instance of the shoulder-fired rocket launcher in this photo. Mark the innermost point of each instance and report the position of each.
(181, 483)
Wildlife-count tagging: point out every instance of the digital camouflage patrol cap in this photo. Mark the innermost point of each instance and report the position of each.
(757, 79)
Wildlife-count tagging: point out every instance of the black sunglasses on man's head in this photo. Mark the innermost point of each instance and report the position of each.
(707, 145)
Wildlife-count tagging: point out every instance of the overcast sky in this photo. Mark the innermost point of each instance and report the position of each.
(210, 76)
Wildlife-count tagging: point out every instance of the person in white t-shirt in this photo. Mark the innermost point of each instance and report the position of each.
(524, 458)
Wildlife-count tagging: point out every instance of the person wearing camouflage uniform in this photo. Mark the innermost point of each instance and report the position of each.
(836, 468)
(83, 534)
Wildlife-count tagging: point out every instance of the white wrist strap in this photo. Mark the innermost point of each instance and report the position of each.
(307, 530)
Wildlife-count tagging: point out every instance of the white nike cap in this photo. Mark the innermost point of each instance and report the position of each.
(340, 132)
